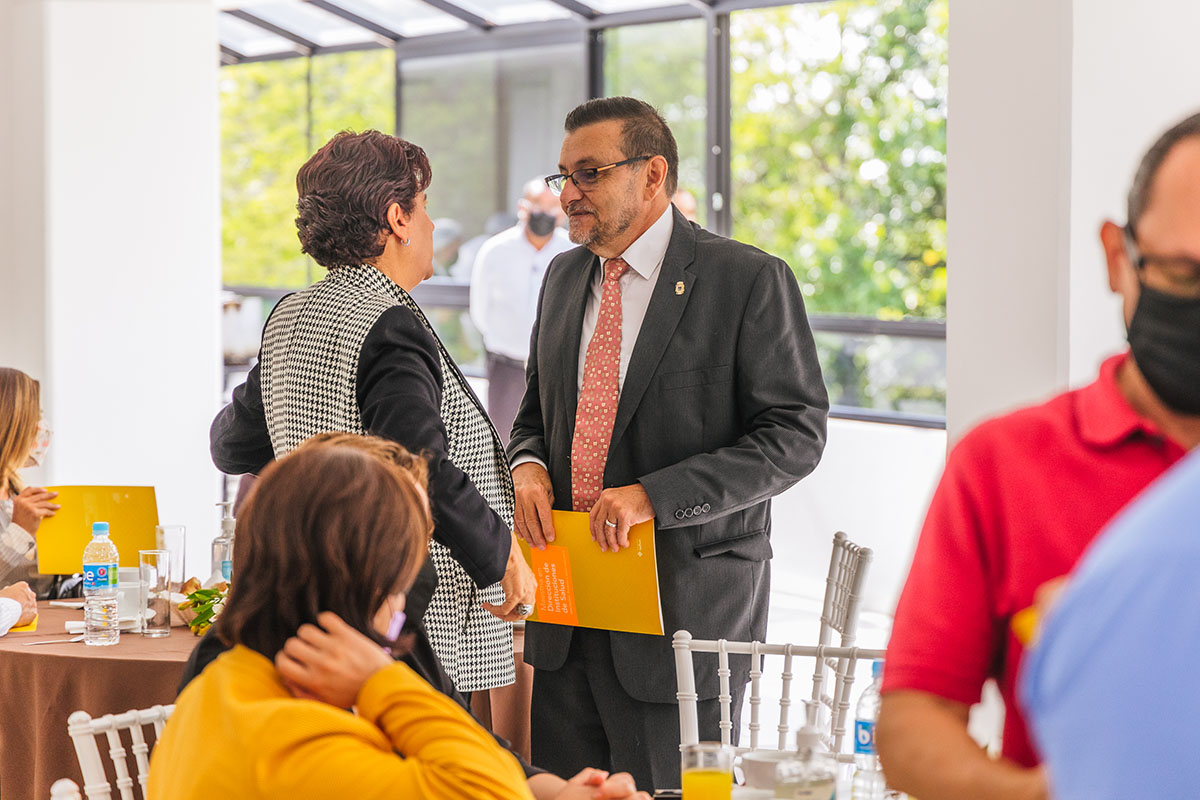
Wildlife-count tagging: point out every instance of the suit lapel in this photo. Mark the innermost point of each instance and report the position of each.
(568, 332)
(662, 317)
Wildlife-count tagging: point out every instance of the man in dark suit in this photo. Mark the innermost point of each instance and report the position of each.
(672, 377)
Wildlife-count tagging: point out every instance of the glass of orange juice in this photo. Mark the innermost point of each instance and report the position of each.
(707, 771)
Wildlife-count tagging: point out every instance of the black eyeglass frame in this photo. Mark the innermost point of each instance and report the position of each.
(557, 183)
(1139, 259)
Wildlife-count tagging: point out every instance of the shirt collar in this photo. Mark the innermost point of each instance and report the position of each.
(1105, 417)
(646, 253)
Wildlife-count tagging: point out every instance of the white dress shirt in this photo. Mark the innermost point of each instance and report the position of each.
(505, 283)
(10, 612)
(645, 257)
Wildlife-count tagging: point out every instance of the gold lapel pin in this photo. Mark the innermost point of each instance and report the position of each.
(679, 287)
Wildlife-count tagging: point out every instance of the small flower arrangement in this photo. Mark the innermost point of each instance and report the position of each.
(202, 606)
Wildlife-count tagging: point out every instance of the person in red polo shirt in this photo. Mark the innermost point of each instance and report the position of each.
(1024, 494)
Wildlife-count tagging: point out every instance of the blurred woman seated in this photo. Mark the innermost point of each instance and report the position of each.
(23, 443)
(326, 547)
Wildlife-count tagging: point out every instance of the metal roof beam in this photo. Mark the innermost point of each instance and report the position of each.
(473, 20)
(703, 5)
(270, 27)
(231, 56)
(362, 22)
(575, 7)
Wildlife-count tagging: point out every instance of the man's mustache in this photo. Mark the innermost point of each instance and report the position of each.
(579, 208)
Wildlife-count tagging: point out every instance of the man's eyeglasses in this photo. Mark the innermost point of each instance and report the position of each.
(588, 177)
(1178, 275)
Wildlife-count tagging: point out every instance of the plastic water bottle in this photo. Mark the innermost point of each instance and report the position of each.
(868, 775)
(101, 624)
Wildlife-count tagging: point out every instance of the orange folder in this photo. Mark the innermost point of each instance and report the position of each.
(130, 511)
(582, 586)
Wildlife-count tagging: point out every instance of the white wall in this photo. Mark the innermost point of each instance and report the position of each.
(1134, 76)
(1052, 103)
(127, 227)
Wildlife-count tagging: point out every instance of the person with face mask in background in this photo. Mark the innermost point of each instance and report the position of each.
(1023, 496)
(24, 439)
(504, 291)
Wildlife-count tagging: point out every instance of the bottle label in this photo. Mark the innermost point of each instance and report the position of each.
(99, 576)
(864, 737)
(227, 569)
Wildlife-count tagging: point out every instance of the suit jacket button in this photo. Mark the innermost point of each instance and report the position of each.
(687, 512)
(697, 510)
(679, 514)
(705, 508)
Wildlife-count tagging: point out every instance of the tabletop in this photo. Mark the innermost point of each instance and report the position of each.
(41, 685)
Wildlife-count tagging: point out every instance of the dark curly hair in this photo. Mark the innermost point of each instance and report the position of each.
(345, 190)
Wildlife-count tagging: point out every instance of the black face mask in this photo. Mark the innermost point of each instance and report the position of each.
(1164, 337)
(541, 224)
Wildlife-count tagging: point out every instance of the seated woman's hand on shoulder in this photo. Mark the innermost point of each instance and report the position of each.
(33, 505)
(21, 592)
(330, 663)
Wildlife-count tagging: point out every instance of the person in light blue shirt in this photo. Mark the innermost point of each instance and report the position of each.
(1110, 687)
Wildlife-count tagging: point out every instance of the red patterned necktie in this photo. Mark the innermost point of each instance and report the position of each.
(601, 389)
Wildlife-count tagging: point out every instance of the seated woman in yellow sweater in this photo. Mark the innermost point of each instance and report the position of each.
(308, 704)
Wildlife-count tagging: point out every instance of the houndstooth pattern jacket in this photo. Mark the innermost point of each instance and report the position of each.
(309, 384)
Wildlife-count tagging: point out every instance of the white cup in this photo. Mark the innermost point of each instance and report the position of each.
(128, 592)
(759, 767)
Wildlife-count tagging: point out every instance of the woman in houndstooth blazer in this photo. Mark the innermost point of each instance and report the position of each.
(354, 352)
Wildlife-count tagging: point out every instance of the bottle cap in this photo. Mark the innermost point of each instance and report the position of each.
(877, 668)
(99, 529)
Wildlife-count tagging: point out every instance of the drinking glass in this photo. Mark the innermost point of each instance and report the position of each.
(173, 539)
(155, 568)
(707, 771)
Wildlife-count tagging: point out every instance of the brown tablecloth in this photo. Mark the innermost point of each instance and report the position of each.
(41, 686)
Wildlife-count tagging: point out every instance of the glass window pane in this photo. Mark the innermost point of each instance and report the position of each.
(310, 22)
(839, 150)
(263, 142)
(406, 17)
(489, 122)
(250, 40)
(884, 373)
(353, 91)
(663, 64)
(616, 6)
(511, 12)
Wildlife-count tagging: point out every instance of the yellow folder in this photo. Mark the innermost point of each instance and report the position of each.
(130, 511)
(582, 586)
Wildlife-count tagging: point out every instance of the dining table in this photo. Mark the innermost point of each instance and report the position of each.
(43, 684)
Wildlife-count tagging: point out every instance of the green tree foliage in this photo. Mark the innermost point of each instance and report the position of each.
(265, 139)
(839, 142)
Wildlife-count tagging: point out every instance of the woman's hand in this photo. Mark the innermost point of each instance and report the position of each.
(33, 505)
(329, 663)
(595, 784)
(21, 592)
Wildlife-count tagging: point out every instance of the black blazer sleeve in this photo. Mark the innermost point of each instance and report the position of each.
(783, 405)
(238, 439)
(399, 395)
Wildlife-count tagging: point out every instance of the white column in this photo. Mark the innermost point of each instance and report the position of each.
(1008, 211)
(109, 152)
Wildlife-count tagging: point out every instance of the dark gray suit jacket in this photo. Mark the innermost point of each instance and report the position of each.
(722, 408)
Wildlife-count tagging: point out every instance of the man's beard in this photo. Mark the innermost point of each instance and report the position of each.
(603, 232)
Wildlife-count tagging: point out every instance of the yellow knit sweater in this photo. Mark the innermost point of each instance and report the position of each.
(238, 733)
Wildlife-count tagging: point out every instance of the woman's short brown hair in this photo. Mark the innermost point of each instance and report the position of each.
(345, 190)
(335, 526)
(20, 411)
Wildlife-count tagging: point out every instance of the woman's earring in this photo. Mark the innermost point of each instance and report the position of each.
(405, 242)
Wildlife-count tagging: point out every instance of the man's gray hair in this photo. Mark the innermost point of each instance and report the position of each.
(1143, 179)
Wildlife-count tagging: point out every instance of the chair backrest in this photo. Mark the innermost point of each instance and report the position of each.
(848, 565)
(84, 730)
(685, 645)
(65, 789)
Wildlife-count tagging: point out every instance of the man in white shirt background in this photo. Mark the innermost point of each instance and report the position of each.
(504, 291)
